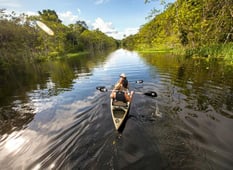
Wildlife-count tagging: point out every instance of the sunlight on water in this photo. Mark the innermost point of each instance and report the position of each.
(37, 167)
(60, 120)
(14, 143)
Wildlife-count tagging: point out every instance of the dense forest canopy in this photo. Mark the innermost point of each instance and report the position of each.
(21, 38)
(199, 25)
(187, 24)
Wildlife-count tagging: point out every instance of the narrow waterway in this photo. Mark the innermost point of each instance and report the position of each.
(52, 116)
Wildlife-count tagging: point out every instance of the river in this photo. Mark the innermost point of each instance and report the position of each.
(52, 116)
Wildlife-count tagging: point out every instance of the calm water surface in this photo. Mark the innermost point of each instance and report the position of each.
(52, 117)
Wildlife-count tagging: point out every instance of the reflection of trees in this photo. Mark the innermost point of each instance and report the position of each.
(61, 74)
(22, 78)
(14, 118)
(45, 79)
(204, 82)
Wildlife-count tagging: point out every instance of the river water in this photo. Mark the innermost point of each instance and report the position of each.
(52, 116)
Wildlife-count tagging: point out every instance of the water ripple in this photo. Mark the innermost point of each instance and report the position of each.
(188, 126)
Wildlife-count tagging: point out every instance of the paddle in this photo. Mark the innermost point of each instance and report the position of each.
(100, 87)
(149, 93)
(139, 81)
(103, 87)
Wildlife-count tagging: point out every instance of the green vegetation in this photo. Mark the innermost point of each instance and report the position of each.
(182, 69)
(21, 41)
(216, 50)
(193, 27)
(70, 55)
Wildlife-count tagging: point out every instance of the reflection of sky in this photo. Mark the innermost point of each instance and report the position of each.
(121, 61)
(58, 112)
(120, 58)
(21, 148)
(14, 143)
(53, 114)
(24, 147)
(61, 119)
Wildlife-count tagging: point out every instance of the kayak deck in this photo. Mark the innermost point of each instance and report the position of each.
(119, 111)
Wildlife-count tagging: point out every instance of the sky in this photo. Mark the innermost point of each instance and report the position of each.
(115, 18)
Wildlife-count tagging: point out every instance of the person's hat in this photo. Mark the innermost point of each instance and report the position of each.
(123, 75)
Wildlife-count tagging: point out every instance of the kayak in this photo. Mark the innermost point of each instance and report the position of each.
(119, 109)
(119, 112)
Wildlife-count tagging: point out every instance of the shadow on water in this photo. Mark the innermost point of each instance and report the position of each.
(129, 148)
(122, 127)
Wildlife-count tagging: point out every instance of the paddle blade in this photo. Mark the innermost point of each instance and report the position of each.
(100, 87)
(139, 81)
(45, 28)
(151, 93)
(103, 90)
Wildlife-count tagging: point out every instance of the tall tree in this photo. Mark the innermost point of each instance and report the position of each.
(194, 23)
(49, 15)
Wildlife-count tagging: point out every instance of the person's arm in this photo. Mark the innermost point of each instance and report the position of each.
(113, 95)
(118, 86)
(127, 97)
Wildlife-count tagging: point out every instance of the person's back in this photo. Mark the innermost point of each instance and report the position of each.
(121, 91)
(120, 96)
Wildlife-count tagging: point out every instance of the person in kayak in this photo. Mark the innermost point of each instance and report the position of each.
(121, 91)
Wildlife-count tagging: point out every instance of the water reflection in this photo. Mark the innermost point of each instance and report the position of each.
(28, 89)
(55, 119)
(14, 143)
(197, 94)
(203, 83)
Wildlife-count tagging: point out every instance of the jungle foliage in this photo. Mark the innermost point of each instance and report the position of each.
(193, 25)
(22, 41)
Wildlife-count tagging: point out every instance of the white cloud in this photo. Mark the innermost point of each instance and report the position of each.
(67, 17)
(105, 27)
(131, 31)
(17, 13)
(79, 11)
(100, 1)
(122, 34)
(7, 4)
(31, 13)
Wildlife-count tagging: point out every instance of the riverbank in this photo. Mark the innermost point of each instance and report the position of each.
(224, 51)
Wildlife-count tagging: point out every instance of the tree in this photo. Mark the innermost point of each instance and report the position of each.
(49, 15)
(190, 23)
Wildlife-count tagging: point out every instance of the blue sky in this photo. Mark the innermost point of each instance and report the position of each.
(113, 17)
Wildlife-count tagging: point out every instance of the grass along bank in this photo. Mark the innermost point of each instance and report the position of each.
(224, 51)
